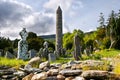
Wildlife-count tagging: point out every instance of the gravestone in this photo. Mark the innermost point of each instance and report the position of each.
(56, 54)
(87, 51)
(1, 52)
(9, 55)
(45, 50)
(22, 45)
(32, 53)
(51, 57)
(40, 53)
(77, 54)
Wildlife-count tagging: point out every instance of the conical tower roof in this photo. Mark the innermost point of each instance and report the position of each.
(59, 10)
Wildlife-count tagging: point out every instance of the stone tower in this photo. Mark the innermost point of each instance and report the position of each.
(59, 30)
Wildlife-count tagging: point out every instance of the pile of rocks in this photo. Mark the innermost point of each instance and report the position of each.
(72, 70)
(69, 71)
(7, 73)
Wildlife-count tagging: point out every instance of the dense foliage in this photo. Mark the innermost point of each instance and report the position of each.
(34, 42)
(68, 39)
(113, 28)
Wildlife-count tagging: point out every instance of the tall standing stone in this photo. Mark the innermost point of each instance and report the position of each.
(22, 45)
(77, 54)
(59, 30)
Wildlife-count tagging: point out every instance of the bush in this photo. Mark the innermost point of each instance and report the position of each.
(106, 43)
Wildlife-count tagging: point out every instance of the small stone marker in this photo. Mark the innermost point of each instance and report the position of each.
(51, 57)
(0, 54)
(9, 55)
(32, 53)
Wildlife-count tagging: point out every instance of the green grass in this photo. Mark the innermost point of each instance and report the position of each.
(117, 68)
(11, 62)
(115, 55)
(62, 60)
(108, 53)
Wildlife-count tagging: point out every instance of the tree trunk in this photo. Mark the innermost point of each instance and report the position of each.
(113, 43)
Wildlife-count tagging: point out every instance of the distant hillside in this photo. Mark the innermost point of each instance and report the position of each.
(52, 36)
(90, 32)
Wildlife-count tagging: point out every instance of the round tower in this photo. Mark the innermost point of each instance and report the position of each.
(59, 30)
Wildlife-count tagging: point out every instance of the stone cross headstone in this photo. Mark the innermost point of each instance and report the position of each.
(77, 54)
(40, 53)
(22, 45)
(56, 54)
(51, 57)
(32, 53)
(45, 44)
(45, 50)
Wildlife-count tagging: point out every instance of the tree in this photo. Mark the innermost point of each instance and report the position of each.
(51, 46)
(117, 31)
(101, 20)
(34, 42)
(68, 39)
(5, 43)
(31, 35)
(114, 28)
(15, 43)
(100, 34)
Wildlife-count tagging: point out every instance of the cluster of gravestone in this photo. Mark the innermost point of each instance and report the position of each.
(73, 70)
(23, 52)
(23, 49)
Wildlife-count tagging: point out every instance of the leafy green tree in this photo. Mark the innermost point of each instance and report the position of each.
(100, 35)
(15, 43)
(68, 39)
(34, 42)
(106, 43)
(117, 30)
(31, 35)
(5, 43)
(89, 39)
(114, 28)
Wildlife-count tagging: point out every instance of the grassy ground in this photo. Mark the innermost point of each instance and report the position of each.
(11, 62)
(115, 58)
(62, 60)
(108, 53)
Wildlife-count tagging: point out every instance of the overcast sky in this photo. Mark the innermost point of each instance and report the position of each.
(39, 15)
